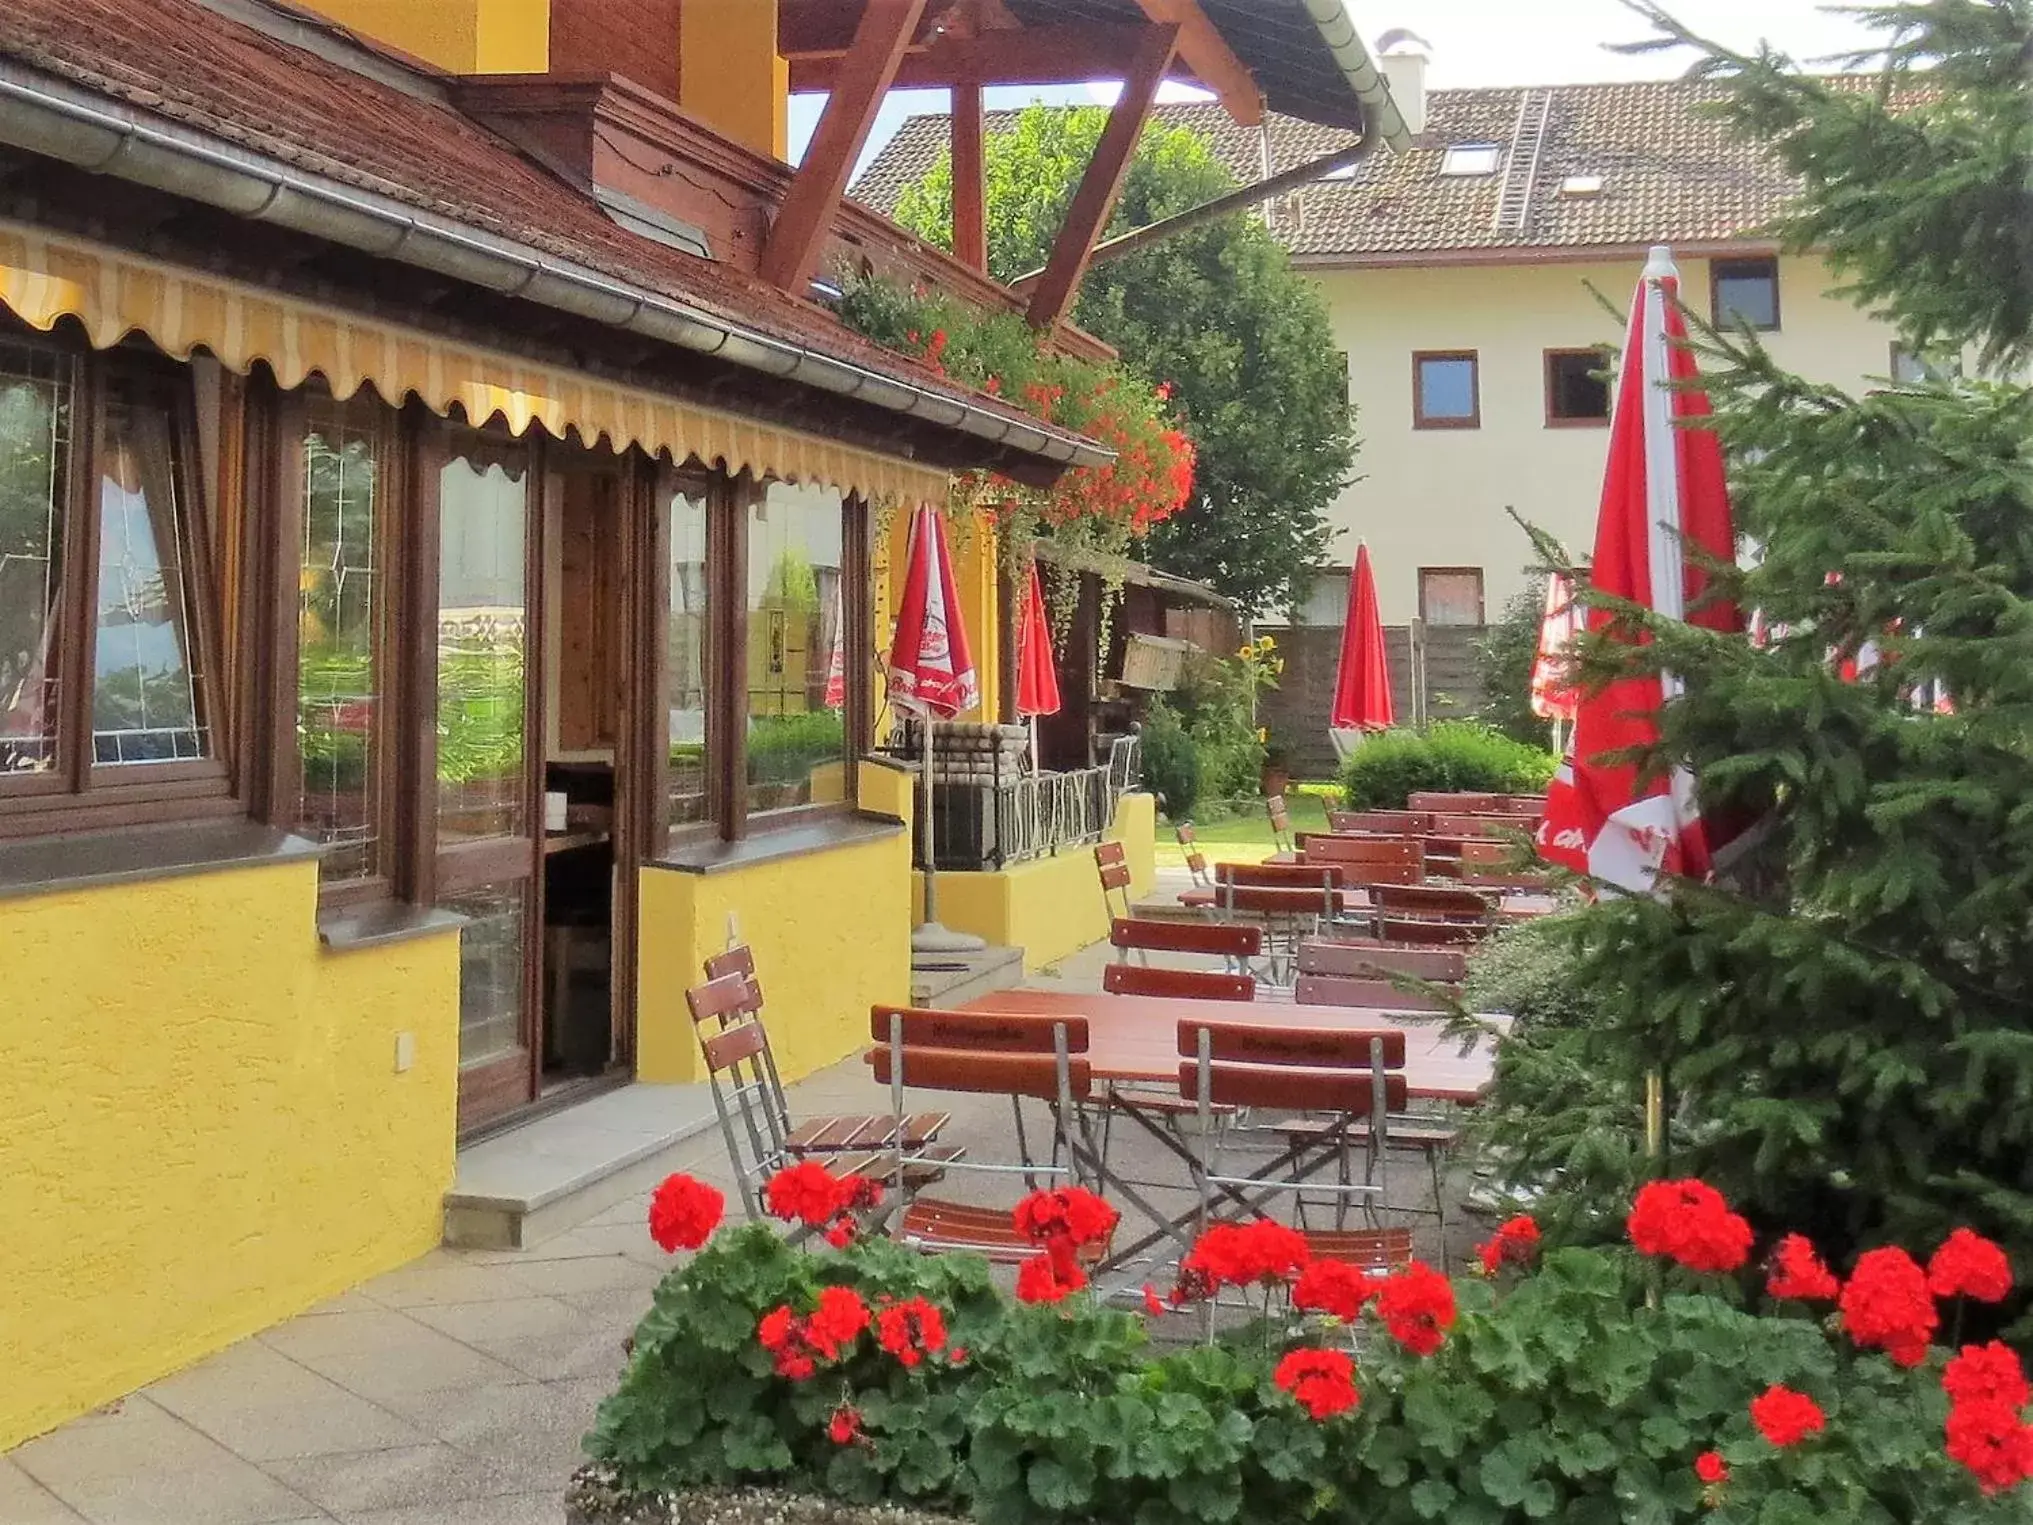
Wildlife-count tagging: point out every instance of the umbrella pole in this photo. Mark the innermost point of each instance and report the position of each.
(930, 937)
(1037, 762)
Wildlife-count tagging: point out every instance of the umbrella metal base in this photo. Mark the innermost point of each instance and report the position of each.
(933, 938)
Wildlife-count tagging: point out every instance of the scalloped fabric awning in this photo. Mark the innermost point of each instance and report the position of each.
(44, 278)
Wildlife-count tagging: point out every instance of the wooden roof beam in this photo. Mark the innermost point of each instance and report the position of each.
(813, 200)
(1203, 50)
(1094, 201)
(1057, 55)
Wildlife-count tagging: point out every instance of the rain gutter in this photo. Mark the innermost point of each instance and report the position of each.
(1379, 112)
(48, 118)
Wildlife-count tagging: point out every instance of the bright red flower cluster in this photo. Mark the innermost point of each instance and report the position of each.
(800, 1345)
(1336, 1288)
(1417, 1307)
(1886, 1305)
(1040, 1280)
(1689, 1222)
(1061, 1222)
(684, 1212)
(1987, 1432)
(1514, 1243)
(1785, 1417)
(1797, 1271)
(1242, 1255)
(844, 1428)
(1711, 1468)
(1969, 1265)
(1322, 1382)
(910, 1330)
(809, 1193)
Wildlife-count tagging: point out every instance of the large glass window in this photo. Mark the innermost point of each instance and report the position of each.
(1446, 390)
(147, 700)
(341, 728)
(687, 649)
(797, 739)
(491, 952)
(35, 441)
(1746, 291)
(483, 649)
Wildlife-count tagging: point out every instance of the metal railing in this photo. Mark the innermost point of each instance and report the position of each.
(992, 822)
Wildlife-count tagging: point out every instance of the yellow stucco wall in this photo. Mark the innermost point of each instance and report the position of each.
(204, 1130)
(831, 934)
(1053, 906)
(730, 75)
(462, 36)
(1436, 497)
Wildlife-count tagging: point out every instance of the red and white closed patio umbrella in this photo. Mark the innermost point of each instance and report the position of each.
(1362, 678)
(1663, 491)
(931, 674)
(1037, 681)
(1553, 693)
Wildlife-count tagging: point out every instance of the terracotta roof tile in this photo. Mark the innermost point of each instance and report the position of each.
(1670, 173)
(185, 62)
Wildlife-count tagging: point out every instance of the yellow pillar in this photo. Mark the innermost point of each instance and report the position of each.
(730, 75)
(461, 36)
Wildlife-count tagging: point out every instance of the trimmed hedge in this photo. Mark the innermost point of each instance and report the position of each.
(1456, 756)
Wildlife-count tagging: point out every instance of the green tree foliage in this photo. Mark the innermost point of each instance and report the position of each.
(1217, 311)
(1846, 1015)
(1503, 665)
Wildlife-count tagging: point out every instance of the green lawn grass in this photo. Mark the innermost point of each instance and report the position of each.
(1243, 834)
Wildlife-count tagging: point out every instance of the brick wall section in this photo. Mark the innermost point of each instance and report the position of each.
(638, 38)
(1295, 712)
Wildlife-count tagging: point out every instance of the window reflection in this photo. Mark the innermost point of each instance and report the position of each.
(483, 641)
(796, 733)
(35, 437)
(339, 730)
(491, 995)
(145, 701)
(690, 789)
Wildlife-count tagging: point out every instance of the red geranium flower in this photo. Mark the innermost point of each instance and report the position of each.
(1514, 1243)
(774, 1332)
(1417, 1307)
(1242, 1254)
(1711, 1468)
(1322, 1382)
(1069, 1213)
(1987, 1374)
(838, 1320)
(1041, 1280)
(910, 1330)
(1689, 1221)
(1334, 1287)
(1992, 1441)
(805, 1193)
(684, 1212)
(844, 1428)
(1784, 1417)
(1886, 1305)
(1153, 1305)
(1969, 1265)
(1798, 1272)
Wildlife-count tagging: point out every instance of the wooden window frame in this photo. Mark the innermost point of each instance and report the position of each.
(80, 794)
(1561, 421)
(1420, 420)
(1721, 269)
(1481, 594)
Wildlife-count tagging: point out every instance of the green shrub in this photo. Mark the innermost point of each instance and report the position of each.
(1216, 702)
(1456, 755)
(782, 749)
(1171, 762)
(1503, 663)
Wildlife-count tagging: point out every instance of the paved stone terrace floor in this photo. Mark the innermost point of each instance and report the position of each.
(453, 1391)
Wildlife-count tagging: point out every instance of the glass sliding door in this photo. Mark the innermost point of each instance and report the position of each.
(486, 779)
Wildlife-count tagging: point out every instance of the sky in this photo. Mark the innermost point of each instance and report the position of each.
(1479, 43)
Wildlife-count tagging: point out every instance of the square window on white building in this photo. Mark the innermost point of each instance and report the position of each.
(1745, 291)
(1446, 390)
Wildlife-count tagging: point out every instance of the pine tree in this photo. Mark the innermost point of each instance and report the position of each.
(1846, 1014)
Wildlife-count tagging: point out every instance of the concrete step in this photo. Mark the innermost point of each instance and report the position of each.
(953, 979)
(517, 1188)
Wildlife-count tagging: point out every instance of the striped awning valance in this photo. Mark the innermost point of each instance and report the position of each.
(45, 277)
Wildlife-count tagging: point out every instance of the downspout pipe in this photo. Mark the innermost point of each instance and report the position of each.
(1351, 56)
(59, 122)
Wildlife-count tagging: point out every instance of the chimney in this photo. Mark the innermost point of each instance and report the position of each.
(1405, 56)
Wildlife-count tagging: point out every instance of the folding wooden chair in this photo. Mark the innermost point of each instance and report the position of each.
(1431, 934)
(1281, 876)
(1281, 822)
(1196, 860)
(1355, 1079)
(1234, 943)
(1465, 802)
(1112, 863)
(1422, 902)
(1013, 1054)
(1494, 865)
(1383, 823)
(748, 1097)
(1367, 859)
(1195, 984)
(1376, 994)
(1288, 916)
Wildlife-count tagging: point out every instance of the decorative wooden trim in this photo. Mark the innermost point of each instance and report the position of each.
(1567, 421)
(1095, 200)
(970, 187)
(727, 681)
(1062, 54)
(1719, 269)
(1419, 418)
(416, 650)
(885, 30)
(1481, 591)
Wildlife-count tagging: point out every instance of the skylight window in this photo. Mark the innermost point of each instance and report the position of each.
(1471, 159)
(1345, 172)
(1581, 185)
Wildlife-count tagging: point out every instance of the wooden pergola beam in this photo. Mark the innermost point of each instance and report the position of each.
(1057, 55)
(1095, 200)
(970, 180)
(1203, 50)
(866, 73)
